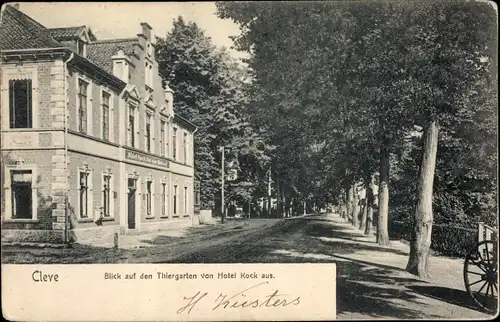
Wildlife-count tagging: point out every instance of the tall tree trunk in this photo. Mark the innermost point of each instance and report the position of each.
(383, 206)
(369, 207)
(349, 203)
(422, 230)
(362, 224)
(343, 206)
(355, 206)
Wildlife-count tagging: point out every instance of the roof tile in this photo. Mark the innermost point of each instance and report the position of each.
(100, 52)
(18, 31)
(66, 33)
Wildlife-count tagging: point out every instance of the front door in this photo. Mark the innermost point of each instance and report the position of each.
(131, 203)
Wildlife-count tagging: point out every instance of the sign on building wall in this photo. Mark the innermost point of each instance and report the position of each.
(136, 156)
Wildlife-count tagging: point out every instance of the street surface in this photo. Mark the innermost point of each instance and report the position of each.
(371, 280)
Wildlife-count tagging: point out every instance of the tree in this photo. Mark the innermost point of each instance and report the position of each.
(209, 90)
(379, 87)
(456, 66)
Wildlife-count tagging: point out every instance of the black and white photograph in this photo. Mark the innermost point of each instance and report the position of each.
(356, 133)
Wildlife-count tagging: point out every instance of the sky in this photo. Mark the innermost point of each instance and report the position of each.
(121, 19)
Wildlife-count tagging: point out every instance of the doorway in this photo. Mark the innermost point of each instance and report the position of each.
(132, 187)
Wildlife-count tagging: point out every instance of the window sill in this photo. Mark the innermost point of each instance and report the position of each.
(85, 220)
(175, 216)
(150, 217)
(108, 219)
(164, 217)
(21, 220)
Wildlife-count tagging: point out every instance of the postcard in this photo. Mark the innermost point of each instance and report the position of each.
(249, 161)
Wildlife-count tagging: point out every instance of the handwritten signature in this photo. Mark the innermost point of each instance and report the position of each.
(240, 300)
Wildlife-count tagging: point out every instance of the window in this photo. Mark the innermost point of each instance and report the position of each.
(131, 126)
(22, 197)
(147, 132)
(184, 146)
(185, 202)
(80, 46)
(82, 106)
(105, 115)
(84, 194)
(106, 195)
(20, 103)
(162, 137)
(148, 74)
(151, 75)
(197, 194)
(175, 201)
(174, 144)
(163, 199)
(149, 212)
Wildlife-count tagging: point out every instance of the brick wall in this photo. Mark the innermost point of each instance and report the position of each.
(44, 167)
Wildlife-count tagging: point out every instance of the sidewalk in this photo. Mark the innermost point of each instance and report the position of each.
(443, 295)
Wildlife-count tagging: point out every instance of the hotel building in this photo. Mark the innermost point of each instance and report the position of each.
(90, 142)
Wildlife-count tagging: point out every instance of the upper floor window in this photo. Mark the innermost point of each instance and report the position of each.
(131, 125)
(80, 47)
(82, 105)
(162, 138)
(148, 72)
(149, 49)
(20, 103)
(105, 115)
(184, 146)
(147, 132)
(174, 144)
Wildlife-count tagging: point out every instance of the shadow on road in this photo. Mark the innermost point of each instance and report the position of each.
(450, 295)
(331, 231)
(364, 289)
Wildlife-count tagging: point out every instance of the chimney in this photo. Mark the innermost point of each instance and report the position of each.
(15, 5)
(121, 64)
(146, 30)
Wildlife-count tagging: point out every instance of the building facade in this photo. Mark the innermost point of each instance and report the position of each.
(90, 142)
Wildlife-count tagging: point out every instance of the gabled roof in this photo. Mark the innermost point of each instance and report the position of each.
(66, 33)
(101, 51)
(149, 100)
(18, 31)
(132, 92)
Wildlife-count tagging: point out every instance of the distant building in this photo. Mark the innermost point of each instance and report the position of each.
(90, 142)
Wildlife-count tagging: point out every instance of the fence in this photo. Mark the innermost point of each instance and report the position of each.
(446, 239)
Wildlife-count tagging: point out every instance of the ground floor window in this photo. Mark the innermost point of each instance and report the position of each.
(149, 192)
(22, 197)
(175, 200)
(84, 193)
(106, 195)
(185, 202)
(163, 199)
